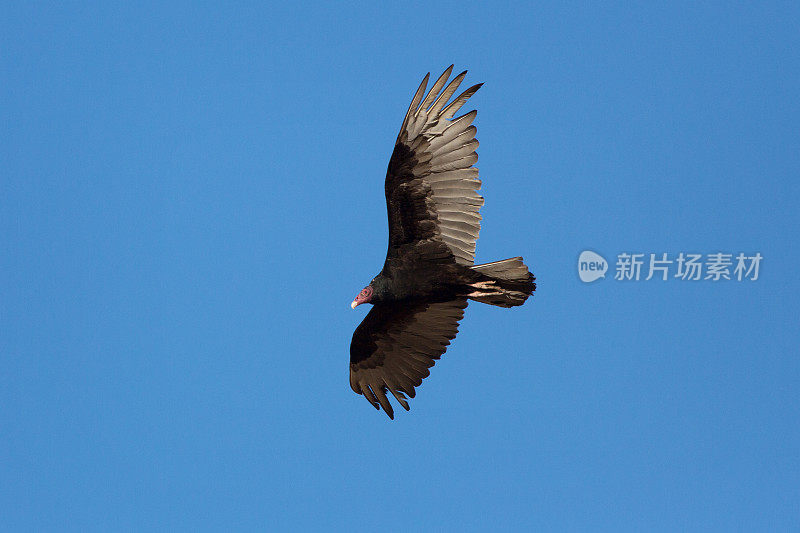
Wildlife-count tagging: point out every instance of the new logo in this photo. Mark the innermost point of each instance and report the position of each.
(591, 266)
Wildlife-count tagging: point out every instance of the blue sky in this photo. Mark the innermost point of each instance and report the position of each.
(192, 195)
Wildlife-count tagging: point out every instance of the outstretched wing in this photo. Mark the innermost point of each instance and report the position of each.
(396, 344)
(431, 184)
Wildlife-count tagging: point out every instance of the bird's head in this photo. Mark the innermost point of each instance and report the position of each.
(365, 296)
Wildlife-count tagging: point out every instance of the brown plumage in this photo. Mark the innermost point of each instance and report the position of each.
(420, 294)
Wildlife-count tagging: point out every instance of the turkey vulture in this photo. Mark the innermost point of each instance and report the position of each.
(421, 293)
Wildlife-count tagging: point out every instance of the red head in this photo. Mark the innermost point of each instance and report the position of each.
(363, 297)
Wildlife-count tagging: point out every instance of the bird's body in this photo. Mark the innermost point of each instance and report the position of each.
(420, 294)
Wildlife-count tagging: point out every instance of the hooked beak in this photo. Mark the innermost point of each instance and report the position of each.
(354, 304)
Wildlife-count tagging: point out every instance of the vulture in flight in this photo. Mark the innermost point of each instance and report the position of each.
(429, 275)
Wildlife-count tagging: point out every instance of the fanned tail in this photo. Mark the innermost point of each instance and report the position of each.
(506, 283)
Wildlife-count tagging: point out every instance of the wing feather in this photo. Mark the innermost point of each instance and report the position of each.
(395, 346)
(431, 183)
(368, 394)
(447, 93)
(414, 103)
(437, 86)
(459, 101)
